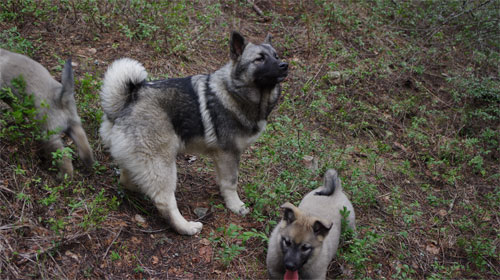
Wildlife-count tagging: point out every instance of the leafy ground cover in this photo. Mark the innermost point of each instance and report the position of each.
(401, 97)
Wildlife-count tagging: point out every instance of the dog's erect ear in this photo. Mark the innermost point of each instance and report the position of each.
(268, 39)
(67, 80)
(237, 45)
(289, 212)
(321, 228)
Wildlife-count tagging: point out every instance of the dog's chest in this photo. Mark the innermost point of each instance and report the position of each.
(242, 142)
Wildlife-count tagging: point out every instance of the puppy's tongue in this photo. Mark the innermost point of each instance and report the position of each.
(292, 275)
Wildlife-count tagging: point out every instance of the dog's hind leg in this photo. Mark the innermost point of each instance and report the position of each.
(126, 182)
(226, 165)
(158, 181)
(78, 135)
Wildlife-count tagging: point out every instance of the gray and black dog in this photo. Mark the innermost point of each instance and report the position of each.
(146, 124)
(53, 101)
(305, 241)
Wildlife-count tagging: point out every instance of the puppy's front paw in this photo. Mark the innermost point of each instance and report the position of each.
(190, 228)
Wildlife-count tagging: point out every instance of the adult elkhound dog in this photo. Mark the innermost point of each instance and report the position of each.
(306, 240)
(53, 100)
(146, 124)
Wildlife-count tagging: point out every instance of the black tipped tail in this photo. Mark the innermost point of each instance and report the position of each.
(332, 183)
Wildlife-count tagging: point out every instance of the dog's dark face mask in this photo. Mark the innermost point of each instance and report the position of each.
(257, 64)
(270, 69)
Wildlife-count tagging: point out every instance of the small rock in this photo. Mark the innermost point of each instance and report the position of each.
(74, 64)
(200, 211)
(92, 51)
(310, 162)
(333, 77)
(139, 219)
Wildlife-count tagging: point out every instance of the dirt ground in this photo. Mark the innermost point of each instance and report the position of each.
(124, 237)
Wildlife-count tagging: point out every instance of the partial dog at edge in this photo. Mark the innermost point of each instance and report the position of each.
(305, 241)
(52, 99)
(146, 124)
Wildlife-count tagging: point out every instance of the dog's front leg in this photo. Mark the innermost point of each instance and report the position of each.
(226, 165)
(78, 135)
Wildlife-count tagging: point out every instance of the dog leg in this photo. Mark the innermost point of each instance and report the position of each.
(226, 165)
(160, 182)
(78, 135)
(55, 143)
(126, 182)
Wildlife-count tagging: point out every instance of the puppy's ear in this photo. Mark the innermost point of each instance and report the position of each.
(268, 39)
(321, 229)
(290, 213)
(237, 45)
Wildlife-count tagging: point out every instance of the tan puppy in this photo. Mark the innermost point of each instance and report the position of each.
(305, 241)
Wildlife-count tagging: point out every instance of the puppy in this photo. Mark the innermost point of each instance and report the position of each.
(305, 241)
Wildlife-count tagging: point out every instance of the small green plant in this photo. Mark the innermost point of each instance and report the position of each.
(20, 124)
(115, 256)
(98, 209)
(346, 231)
(138, 269)
(59, 155)
(232, 241)
(12, 40)
(358, 251)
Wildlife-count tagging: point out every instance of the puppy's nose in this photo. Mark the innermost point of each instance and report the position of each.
(290, 266)
(283, 66)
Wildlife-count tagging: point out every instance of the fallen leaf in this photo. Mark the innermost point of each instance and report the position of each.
(442, 212)
(431, 248)
(205, 242)
(205, 253)
(135, 240)
(71, 255)
(154, 260)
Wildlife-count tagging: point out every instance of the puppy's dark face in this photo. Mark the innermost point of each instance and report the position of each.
(257, 65)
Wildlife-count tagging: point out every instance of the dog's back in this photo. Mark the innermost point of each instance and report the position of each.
(37, 78)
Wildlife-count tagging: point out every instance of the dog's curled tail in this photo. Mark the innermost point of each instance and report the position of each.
(121, 78)
(332, 183)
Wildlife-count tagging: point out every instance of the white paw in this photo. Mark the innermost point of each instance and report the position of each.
(190, 228)
(239, 209)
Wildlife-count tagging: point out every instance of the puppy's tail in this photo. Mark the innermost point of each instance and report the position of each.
(121, 80)
(332, 183)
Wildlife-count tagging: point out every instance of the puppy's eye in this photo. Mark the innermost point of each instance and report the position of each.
(276, 56)
(305, 248)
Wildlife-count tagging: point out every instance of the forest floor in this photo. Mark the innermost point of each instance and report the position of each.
(401, 97)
